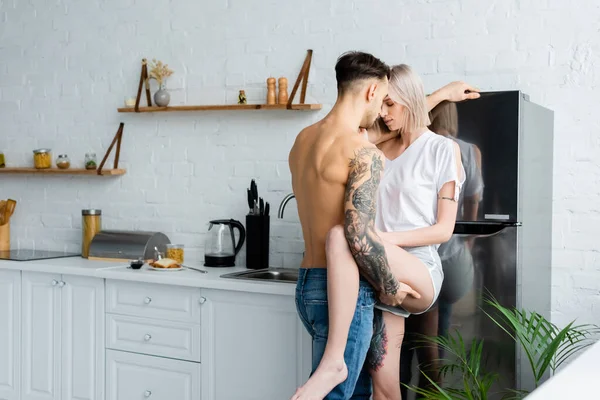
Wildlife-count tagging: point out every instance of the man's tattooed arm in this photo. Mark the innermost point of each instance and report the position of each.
(366, 168)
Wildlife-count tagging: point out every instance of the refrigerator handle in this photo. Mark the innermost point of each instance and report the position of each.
(481, 229)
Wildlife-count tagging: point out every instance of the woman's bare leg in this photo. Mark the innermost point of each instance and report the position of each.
(384, 355)
(342, 295)
(386, 373)
(410, 270)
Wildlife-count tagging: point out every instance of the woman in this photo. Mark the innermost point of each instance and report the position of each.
(416, 211)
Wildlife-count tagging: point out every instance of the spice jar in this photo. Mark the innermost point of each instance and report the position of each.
(130, 101)
(90, 160)
(2, 162)
(175, 252)
(42, 158)
(91, 223)
(63, 161)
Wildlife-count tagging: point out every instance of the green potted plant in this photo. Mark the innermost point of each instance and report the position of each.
(545, 346)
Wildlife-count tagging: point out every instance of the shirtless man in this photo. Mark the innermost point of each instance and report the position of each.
(335, 177)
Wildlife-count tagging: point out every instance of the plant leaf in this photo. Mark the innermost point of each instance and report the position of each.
(430, 394)
(550, 351)
(435, 385)
(545, 345)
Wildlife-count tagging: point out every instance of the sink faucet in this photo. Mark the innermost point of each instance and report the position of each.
(284, 202)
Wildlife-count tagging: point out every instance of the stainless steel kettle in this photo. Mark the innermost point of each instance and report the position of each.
(220, 247)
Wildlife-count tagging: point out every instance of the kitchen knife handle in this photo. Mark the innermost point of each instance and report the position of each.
(254, 190)
(250, 201)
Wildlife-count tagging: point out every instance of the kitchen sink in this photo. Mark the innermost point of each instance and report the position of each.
(287, 275)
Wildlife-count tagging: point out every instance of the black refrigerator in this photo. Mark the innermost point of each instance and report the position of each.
(503, 234)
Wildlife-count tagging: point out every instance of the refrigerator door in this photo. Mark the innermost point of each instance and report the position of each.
(479, 261)
(487, 130)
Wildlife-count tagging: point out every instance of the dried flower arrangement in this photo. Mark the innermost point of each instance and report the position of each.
(159, 71)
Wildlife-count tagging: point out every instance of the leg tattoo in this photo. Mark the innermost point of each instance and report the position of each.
(379, 343)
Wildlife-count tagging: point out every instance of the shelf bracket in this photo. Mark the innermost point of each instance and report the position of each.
(117, 140)
(302, 77)
(144, 81)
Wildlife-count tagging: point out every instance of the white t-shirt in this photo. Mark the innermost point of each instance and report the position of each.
(408, 192)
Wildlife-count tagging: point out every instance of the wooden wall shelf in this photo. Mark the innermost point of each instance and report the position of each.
(289, 105)
(229, 107)
(70, 171)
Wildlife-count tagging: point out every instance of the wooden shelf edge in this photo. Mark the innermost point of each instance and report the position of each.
(227, 107)
(56, 171)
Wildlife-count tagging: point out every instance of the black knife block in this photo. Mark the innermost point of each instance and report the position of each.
(257, 241)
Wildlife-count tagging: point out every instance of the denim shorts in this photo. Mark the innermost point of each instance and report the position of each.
(311, 303)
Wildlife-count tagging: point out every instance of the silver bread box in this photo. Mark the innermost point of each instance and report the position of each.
(126, 245)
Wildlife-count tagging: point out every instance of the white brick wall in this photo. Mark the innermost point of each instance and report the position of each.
(65, 66)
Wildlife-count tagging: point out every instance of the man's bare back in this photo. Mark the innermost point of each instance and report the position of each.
(319, 162)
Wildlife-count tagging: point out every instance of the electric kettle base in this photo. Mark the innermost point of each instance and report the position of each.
(219, 261)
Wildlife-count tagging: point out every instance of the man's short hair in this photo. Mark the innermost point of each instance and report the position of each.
(354, 66)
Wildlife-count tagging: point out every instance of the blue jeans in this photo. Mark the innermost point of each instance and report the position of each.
(311, 303)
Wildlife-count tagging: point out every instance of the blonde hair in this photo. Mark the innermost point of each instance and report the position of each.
(444, 119)
(406, 88)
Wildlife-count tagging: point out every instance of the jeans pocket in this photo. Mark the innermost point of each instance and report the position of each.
(315, 296)
(301, 310)
(366, 299)
(317, 313)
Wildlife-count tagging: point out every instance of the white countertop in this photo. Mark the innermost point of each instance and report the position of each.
(119, 270)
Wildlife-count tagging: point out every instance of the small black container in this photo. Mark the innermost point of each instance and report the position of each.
(257, 241)
(136, 264)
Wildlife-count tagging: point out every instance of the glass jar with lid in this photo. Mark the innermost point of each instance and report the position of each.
(90, 161)
(42, 158)
(174, 252)
(63, 161)
(91, 224)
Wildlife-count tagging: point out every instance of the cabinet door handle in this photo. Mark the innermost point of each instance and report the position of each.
(147, 337)
(147, 393)
(61, 284)
(148, 300)
(54, 282)
(202, 300)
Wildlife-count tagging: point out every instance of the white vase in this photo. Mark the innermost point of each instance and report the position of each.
(162, 97)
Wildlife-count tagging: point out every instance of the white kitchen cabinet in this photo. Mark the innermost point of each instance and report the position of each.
(41, 336)
(133, 376)
(152, 300)
(170, 339)
(254, 346)
(63, 337)
(10, 334)
(82, 333)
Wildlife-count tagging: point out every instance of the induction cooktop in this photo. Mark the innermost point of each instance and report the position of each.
(30, 255)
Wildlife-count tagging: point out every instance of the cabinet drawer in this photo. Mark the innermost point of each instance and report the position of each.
(175, 303)
(161, 338)
(135, 376)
